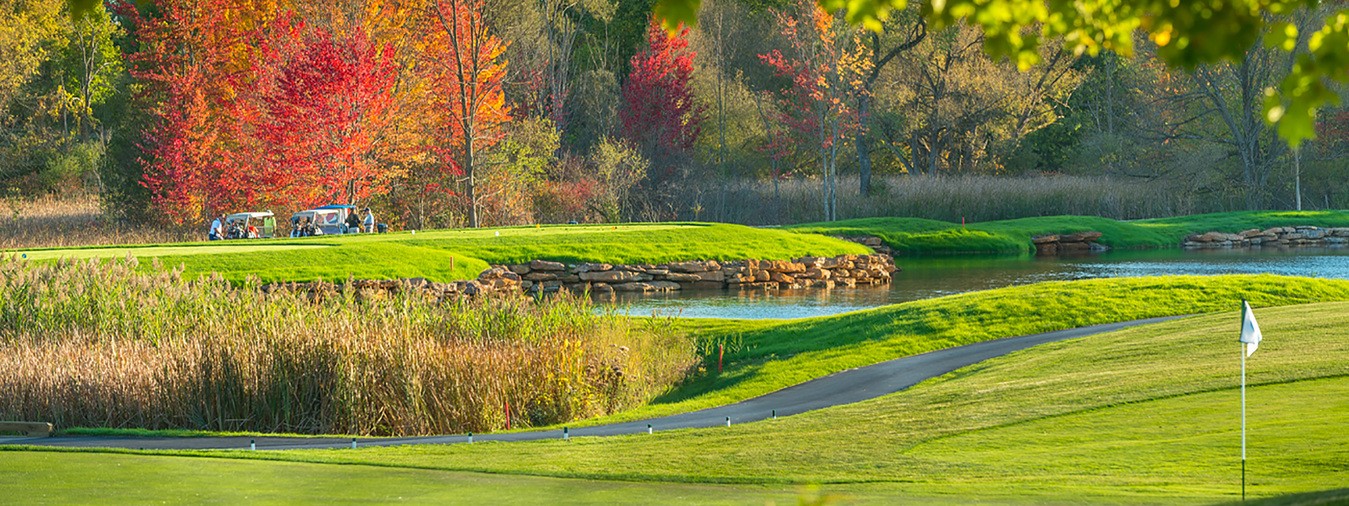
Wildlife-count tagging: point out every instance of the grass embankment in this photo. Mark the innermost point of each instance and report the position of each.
(447, 255)
(97, 344)
(916, 236)
(1141, 415)
(764, 356)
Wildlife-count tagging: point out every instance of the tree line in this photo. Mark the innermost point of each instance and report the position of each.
(473, 112)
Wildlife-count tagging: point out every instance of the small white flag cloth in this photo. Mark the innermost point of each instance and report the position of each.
(1250, 330)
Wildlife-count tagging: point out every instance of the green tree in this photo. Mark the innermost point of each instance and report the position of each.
(1187, 34)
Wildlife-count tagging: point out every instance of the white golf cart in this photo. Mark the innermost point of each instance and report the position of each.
(326, 220)
(256, 225)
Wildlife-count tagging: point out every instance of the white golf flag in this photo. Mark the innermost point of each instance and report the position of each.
(1250, 330)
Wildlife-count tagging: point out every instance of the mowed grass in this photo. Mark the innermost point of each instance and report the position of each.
(45, 477)
(1145, 414)
(448, 255)
(764, 356)
(916, 236)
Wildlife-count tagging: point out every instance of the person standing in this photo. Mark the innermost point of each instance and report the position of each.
(353, 223)
(217, 231)
(369, 221)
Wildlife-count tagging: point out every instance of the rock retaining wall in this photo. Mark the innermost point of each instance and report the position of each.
(845, 271)
(806, 272)
(1277, 237)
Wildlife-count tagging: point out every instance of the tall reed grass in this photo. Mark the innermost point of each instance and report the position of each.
(975, 198)
(105, 345)
(49, 222)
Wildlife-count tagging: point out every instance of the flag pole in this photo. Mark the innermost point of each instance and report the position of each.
(1243, 406)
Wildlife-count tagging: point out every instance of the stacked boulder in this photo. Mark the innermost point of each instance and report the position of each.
(1278, 237)
(1068, 244)
(805, 272)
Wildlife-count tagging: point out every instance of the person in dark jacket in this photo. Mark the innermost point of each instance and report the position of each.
(353, 222)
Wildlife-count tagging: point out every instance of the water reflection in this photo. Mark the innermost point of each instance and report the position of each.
(933, 277)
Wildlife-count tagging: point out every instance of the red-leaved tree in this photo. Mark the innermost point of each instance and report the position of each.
(328, 100)
(659, 114)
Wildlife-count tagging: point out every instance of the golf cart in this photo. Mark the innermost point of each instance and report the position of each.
(258, 225)
(325, 220)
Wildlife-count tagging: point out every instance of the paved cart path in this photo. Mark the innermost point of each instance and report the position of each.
(846, 387)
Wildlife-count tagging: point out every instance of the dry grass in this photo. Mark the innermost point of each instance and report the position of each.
(976, 198)
(101, 344)
(76, 221)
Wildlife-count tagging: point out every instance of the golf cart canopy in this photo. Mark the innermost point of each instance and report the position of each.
(248, 216)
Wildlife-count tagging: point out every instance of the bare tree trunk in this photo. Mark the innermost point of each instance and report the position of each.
(864, 143)
(472, 181)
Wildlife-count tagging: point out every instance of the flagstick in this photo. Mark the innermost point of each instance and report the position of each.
(1243, 422)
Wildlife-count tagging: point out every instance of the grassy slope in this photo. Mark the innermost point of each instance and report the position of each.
(1142, 415)
(429, 254)
(1147, 412)
(765, 356)
(920, 236)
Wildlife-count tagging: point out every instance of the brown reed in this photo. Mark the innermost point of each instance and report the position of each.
(50, 222)
(104, 344)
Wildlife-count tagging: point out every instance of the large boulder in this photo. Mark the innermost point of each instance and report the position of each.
(544, 265)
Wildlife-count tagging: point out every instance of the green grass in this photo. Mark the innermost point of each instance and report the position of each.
(46, 477)
(916, 236)
(1142, 415)
(764, 356)
(447, 255)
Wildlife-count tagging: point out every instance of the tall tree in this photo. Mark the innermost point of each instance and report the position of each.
(195, 58)
(659, 113)
(894, 38)
(466, 60)
(825, 64)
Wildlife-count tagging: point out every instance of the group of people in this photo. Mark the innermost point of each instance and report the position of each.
(305, 228)
(222, 228)
(354, 224)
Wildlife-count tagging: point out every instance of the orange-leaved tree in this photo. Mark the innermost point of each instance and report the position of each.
(467, 69)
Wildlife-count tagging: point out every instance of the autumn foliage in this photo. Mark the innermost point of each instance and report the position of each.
(196, 61)
(659, 113)
(327, 99)
(825, 63)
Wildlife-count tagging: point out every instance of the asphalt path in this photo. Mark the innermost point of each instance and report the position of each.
(846, 387)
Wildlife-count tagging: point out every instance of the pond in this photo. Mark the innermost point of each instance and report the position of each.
(934, 277)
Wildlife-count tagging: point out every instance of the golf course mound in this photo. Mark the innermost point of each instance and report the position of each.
(462, 254)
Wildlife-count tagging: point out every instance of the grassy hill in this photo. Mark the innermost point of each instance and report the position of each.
(916, 236)
(763, 356)
(447, 255)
